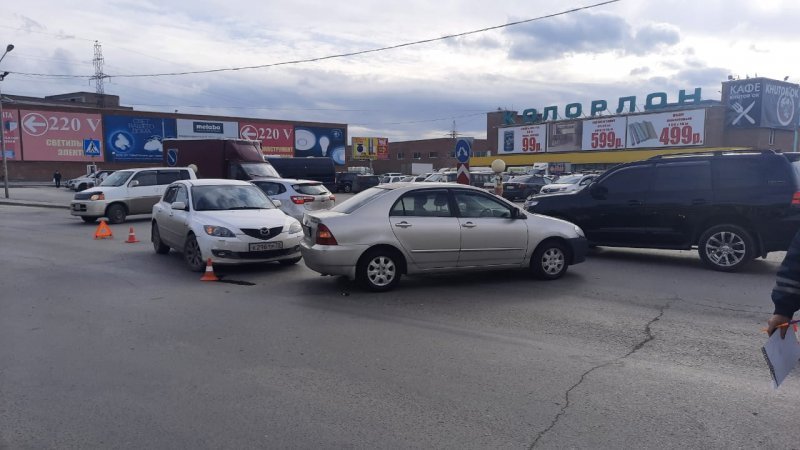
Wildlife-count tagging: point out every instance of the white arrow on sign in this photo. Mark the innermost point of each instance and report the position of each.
(32, 126)
(249, 132)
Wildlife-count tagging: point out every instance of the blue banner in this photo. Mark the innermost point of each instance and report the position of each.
(319, 141)
(136, 139)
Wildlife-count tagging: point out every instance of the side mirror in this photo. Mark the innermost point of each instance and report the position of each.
(516, 213)
(598, 191)
(134, 183)
(277, 203)
(179, 205)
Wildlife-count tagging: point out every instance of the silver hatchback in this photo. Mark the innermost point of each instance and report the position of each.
(297, 196)
(386, 231)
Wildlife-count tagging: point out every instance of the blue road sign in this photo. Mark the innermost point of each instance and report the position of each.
(91, 147)
(172, 157)
(463, 150)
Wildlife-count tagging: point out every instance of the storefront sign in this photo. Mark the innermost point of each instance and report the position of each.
(607, 133)
(59, 136)
(669, 129)
(524, 139)
(136, 139)
(276, 139)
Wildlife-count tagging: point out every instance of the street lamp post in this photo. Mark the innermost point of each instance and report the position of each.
(3, 126)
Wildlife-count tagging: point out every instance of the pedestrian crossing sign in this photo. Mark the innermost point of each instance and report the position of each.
(91, 147)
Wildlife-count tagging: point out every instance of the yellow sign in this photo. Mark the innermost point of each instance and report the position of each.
(365, 148)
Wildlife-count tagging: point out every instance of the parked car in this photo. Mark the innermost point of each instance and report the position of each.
(354, 182)
(393, 179)
(394, 229)
(318, 169)
(524, 185)
(568, 183)
(126, 192)
(87, 181)
(482, 179)
(297, 196)
(384, 177)
(226, 221)
(422, 177)
(731, 206)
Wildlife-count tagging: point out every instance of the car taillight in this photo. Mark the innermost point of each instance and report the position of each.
(324, 236)
(332, 197)
(796, 199)
(300, 199)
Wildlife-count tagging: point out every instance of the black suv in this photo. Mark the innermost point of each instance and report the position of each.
(354, 182)
(732, 206)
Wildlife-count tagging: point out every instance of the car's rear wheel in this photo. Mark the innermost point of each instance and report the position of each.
(82, 187)
(289, 262)
(726, 247)
(116, 213)
(88, 219)
(379, 270)
(550, 260)
(193, 255)
(155, 237)
(348, 188)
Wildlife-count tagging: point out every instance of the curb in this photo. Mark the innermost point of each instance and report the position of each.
(32, 204)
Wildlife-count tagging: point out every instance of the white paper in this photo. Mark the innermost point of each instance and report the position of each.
(781, 355)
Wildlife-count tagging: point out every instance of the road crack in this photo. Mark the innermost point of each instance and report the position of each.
(648, 337)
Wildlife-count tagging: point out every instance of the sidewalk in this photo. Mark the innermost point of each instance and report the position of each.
(36, 194)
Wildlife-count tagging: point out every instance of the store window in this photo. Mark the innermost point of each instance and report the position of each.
(433, 155)
(417, 155)
(400, 155)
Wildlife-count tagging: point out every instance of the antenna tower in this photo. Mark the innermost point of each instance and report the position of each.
(453, 133)
(98, 74)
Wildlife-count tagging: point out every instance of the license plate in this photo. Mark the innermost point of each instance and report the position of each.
(261, 246)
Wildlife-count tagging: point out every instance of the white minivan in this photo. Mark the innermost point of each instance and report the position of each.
(127, 192)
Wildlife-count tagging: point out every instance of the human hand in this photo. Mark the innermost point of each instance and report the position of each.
(775, 321)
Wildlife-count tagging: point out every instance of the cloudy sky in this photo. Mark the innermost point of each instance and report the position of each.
(630, 47)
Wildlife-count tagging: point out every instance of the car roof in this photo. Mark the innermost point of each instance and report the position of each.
(289, 180)
(214, 182)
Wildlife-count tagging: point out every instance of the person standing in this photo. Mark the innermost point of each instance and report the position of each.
(786, 293)
(57, 178)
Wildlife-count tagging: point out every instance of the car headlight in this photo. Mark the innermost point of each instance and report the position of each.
(295, 227)
(579, 231)
(530, 203)
(97, 196)
(213, 230)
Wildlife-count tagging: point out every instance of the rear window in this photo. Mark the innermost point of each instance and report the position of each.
(360, 199)
(311, 189)
(737, 172)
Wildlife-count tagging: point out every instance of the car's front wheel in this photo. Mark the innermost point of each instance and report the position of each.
(116, 213)
(348, 188)
(379, 270)
(550, 260)
(155, 237)
(726, 247)
(193, 255)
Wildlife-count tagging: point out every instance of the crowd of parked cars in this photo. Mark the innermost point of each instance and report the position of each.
(731, 206)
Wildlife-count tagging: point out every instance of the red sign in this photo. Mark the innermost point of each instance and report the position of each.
(462, 173)
(276, 139)
(11, 141)
(59, 136)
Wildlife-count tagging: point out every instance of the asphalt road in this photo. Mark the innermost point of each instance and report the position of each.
(106, 344)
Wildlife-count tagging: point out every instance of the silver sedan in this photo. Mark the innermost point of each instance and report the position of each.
(386, 231)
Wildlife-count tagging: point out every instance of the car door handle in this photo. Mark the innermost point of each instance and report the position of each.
(468, 225)
(402, 224)
(698, 201)
(634, 203)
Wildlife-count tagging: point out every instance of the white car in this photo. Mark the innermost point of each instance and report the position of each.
(568, 183)
(297, 196)
(87, 181)
(226, 221)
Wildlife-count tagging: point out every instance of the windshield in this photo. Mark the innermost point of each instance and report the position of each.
(311, 189)
(360, 199)
(228, 197)
(260, 170)
(569, 179)
(117, 178)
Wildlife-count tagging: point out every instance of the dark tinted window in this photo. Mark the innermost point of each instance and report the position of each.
(737, 172)
(168, 176)
(311, 189)
(169, 194)
(146, 178)
(628, 179)
(271, 188)
(691, 176)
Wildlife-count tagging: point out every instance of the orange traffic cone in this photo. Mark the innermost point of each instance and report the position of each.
(103, 231)
(209, 275)
(131, 237)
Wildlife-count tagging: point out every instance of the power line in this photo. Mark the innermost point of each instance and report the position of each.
(340, 55)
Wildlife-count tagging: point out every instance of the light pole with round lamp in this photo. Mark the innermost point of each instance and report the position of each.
(3, 125)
